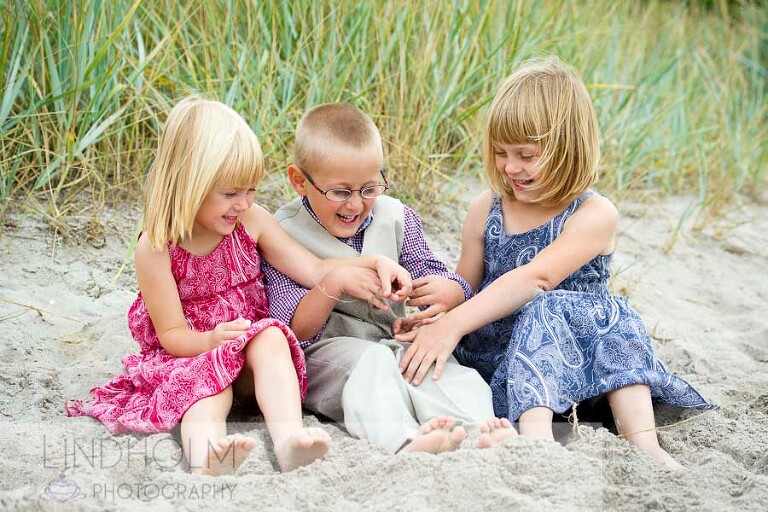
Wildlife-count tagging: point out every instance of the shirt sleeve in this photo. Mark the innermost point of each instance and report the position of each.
(284, 295)
(418, 259)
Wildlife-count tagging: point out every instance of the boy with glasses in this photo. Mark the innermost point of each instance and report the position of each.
(352, 360)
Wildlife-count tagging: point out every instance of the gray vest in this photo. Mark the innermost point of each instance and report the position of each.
(384, 235)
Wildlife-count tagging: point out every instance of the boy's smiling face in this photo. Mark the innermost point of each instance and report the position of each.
(343, 167)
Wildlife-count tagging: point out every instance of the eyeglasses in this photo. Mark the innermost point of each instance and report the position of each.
(339, 195)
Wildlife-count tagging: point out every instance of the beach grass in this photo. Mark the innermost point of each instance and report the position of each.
(681, 89)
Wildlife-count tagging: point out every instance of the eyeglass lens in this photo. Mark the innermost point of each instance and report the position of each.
(342, 194)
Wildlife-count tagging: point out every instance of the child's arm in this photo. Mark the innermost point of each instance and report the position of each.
(589, 232)
(471, 264)
(297, 262)
(317, 304)
(161, 297)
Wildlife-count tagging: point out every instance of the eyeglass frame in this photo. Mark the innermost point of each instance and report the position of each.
(382, 171)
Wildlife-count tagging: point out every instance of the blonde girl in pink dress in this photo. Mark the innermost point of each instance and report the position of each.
(200, 318)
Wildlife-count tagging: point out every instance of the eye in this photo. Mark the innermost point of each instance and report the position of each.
(230, 195)
(527, 158)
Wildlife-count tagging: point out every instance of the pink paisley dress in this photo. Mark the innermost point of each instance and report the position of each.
(158, 388)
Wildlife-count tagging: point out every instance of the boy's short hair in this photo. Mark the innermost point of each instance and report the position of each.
(204, 144)
(546, 101)
(329, 124)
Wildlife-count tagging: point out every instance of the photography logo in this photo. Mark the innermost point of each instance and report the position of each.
(62, 489)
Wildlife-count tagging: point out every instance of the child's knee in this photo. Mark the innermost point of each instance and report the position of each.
(271, 339)
(379, 355)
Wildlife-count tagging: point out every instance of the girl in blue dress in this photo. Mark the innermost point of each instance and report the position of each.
(543, 328)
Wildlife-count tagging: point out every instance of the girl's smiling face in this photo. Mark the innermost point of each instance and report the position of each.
(518, 163)
(220, 211)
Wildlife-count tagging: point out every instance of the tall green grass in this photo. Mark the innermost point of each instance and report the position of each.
(680, 89)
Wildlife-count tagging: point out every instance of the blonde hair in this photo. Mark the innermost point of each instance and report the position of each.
(332, 123)
(546, 102)
(204, 144)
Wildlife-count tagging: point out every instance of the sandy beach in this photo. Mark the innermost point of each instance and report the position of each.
(700, 285)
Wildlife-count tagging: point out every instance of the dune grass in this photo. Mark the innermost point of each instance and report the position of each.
(680, 88)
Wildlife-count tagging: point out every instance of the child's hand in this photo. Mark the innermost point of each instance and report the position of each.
(430, 343)
(407, 324)
(438, 293)
(226, 331)
(395, 280)
(360, 283)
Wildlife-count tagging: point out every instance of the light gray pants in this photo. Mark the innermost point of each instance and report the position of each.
(358, 382)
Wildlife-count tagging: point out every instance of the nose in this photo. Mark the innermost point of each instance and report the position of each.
(355, 201)
(510, 166)
(243, 203)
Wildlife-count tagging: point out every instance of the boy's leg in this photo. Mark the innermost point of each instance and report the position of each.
(356, 382)
(377, 406)
(329, 363)
(459, 393)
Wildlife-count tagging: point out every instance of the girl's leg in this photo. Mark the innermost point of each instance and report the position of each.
(633, 413)
(276, 387)
(204, 439)
(536, 423)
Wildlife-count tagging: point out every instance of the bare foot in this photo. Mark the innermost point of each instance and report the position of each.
(437, 435)
(661, 457)
(302, 447)
(495, 431)
(226, 455)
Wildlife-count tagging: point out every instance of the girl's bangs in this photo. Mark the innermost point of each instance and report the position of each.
(243, 167)
(515, 121)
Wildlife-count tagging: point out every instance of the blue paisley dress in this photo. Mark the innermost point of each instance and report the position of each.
(567, 345)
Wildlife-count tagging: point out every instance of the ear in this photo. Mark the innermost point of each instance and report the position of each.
(298, 180)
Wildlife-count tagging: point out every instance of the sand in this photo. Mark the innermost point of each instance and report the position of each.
(702, 297)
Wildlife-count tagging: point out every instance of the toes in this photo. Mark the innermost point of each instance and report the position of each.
(319, 434)
(457, 435)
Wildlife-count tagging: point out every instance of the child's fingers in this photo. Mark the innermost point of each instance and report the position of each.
(412, 364)
(433, 319)
(386, 287)
(439, 367)
(235, 332)
(374, 301)
(423, 289)
(404, 288)
(408, 336)
(422, 300)
(421, 371)
(431, 311)
(405, 361)
(237, 323)
(422, 281)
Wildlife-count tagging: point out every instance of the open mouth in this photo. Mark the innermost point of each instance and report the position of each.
(230, 218)
(522, 183)
(347, 219)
